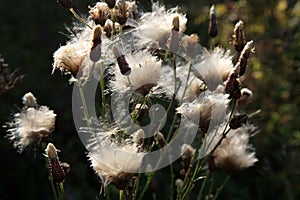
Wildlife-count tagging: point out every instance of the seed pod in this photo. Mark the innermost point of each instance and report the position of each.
(240, 67)
(238, 120)
(213, 24)
(160, 139)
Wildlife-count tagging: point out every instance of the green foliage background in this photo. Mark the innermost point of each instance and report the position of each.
(30, 33)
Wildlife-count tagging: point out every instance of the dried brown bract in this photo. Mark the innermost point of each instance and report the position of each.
(8, 77)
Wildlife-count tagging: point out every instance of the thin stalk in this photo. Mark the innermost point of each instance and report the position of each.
(53, 188)
(102, 87)
(84, 105)
(79, 18)
(121, 194)
(171, 182)
(62, 190)
(212, 183)
(149, 179)
(203, 186)
(219, 190)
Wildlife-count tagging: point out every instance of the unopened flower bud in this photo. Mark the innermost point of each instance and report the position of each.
(239, 39)
(123, 65)
(240, 67)
(213, 24)
(110, 3)
(138, 137)
(232, 87)
(160, 139)
(67, 4)
(238, 120)
(56, 168)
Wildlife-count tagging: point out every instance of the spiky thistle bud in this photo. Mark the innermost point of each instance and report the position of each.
(56, 168)
(123, 64)
(238, 37)
(240, 67)
(67, 4)
(213, 24)
(232, 87)
(238, 120)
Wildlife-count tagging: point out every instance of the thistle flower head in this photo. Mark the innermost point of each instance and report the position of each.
(158, 24)
(31, 124)
(208, 110)
(214, 67)
(69, 58)
(99, 13)
(145, 73)
(235, 153)
(114, 163)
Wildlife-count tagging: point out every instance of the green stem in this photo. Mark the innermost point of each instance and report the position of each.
(79, 18)
(219, 190)
(53, 188)
(84, 105)
(149, 179)
(202, 186)
(102, 87)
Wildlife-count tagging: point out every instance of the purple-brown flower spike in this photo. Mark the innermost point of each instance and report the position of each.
(213, 24)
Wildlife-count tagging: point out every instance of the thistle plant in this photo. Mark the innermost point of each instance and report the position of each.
(163, 101)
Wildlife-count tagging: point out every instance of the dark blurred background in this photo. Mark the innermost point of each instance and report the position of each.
(30, 32)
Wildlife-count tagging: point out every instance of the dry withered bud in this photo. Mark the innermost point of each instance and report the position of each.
(240, 67)
(8, 78)
(110, 3)
(95, 52)
(232, 87)
(67, 4)
(123, 64)
(99, 13)
(108, 28)
(238, 120)
(213, 24)
(122, 12)
(238, 37)
(160, 139)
